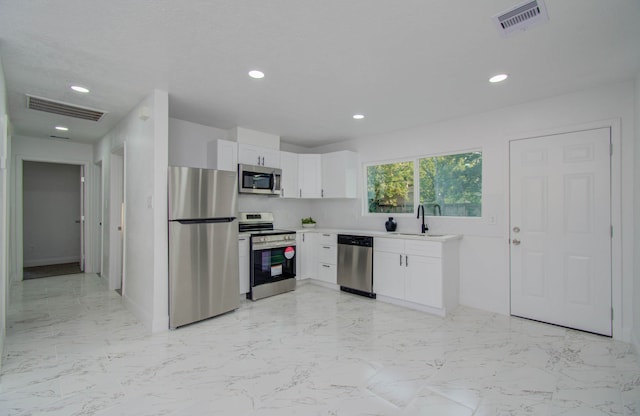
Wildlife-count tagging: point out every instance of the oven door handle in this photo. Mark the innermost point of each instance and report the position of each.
(274, 244)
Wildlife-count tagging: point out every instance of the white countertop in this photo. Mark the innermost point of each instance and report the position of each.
(402, 235)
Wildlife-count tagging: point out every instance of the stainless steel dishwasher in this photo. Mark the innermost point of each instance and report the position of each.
(355, 264)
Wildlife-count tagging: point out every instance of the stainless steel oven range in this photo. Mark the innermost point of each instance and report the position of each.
(272, 257)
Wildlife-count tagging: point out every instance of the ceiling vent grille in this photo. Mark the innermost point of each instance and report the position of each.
(521, 17)
(63, 109)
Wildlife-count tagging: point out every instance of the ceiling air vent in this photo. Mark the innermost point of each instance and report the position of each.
(63, 109)
(521, 17)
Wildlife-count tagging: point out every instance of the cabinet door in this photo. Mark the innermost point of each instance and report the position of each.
(328, 273)
(309, 176)
(243, 263)
(222, 155)
(339, 174)
(249, 154)
(308, 256)
(289, 180)
(270, 158)
(388, 274)
(424, 280)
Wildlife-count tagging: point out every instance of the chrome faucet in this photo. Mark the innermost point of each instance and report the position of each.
(424, 228)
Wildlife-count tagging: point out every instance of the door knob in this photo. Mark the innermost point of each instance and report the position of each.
(516, 229)
(516, 242)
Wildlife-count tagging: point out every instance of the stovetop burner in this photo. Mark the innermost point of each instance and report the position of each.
(259, 223)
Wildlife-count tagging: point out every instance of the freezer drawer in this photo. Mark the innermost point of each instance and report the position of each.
(203, 271)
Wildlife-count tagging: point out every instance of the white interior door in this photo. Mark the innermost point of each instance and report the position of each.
(560, 232)
(82, 217)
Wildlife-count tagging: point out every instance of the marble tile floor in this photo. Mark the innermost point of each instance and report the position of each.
(73, 349)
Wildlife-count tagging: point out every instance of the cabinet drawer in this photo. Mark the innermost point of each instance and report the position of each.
(423, 248)
(328, 273)
(327, 254)
(393, 245)
(328, 239)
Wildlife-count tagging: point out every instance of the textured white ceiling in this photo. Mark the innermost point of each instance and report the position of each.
(401, 63)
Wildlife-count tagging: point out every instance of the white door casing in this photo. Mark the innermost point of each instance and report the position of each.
(560, 229)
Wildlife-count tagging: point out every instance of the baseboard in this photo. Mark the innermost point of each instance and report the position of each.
(153, 325)
(635, 341)
(51, 261)
(160, 324)
(138, 312)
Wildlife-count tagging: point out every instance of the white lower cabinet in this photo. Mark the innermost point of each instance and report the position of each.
(388, 274)
(243, 264)
(424, 273)
(328, 258)
(306, 260)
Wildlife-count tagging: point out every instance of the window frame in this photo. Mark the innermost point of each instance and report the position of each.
(416, 182)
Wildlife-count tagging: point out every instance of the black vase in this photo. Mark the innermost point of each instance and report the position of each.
(391, 224)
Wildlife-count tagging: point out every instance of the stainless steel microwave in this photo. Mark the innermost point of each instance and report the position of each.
(259, 180)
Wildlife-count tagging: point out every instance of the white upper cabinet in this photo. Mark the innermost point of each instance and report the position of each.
(289, 181)
(310, 176)
(222, 155)
(339, 175)
(249, 154)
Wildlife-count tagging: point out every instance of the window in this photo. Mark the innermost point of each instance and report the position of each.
(452, 185)
(390, 187)
(449, 185)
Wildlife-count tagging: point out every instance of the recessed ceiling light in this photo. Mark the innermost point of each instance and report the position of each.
(358, 116)
(256, 74)
(498, 78)
(78, 88)
(62, 128)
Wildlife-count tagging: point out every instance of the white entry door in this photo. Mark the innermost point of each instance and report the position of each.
(560, 232)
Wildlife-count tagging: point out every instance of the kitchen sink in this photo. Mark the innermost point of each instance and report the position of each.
(420, 234)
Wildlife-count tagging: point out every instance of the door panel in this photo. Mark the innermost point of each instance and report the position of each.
(560, 229)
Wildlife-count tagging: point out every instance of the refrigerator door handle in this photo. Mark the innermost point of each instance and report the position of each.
(206, 220)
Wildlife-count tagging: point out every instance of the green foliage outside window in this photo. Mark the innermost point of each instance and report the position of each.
(449, 185)
(390, 187)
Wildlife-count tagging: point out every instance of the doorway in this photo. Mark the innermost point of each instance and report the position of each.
(560, 229)
(53, 219)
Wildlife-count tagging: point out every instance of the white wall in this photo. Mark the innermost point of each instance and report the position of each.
(484, 268)
(51, 203)
(145, 143)
(5, 161)
(636, 257)
(188, 142)
(55, 151)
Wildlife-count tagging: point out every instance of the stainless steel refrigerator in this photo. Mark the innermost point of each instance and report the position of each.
(203, 244)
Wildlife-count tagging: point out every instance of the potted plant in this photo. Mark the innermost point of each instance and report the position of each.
(308, 222)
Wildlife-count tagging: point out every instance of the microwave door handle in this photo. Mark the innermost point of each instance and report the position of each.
(273, 182)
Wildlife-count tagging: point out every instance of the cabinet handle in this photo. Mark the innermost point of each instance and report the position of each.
(262, 160)
(258, 160)
(282, 193)
(303, 237)
(322, 193)
(242, 239)
(326, 235)
(301, 193)
(326, 247)
(406, 261)
(400, 259)
(325, 265)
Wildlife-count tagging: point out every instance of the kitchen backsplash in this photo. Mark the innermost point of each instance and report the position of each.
(287, 212)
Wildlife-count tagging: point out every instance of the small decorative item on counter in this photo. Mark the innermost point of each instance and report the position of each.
(308, 222)
(391, 224)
